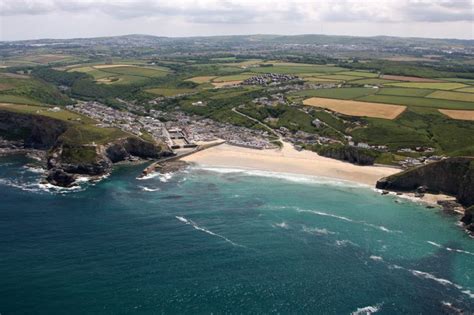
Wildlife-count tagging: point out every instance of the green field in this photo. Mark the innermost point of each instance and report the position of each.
(341, 77)
(372, 81)
(417, 101)
(466, 89)
(449, 95)
(235, 77)
(122, 74)
(169, 91)
(338, 93)
(404, 92)
(293, 69)
(137, 71)
(30, 91)
(363, 74)
(430, 85)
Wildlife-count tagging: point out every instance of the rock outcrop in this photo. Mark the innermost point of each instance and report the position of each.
(452, 176)
(36, 131)
(98, 159)
(350, 154)
(468, 219)
(67, 159)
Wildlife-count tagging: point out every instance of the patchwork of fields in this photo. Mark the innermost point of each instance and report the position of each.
(121, 73)
(355, 108)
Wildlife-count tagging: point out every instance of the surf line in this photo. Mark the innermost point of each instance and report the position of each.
(197, 227)
(378, 227)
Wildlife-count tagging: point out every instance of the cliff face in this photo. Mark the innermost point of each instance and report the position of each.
(350, 154)
(67, 160)
(452, 176)
(38, 132)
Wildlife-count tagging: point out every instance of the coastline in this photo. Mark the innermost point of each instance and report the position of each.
(290, 161)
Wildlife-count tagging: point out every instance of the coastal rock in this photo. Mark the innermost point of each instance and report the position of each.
(37, 131)
(59, 177)
(452, 176)
(350, 154)
(468, 217)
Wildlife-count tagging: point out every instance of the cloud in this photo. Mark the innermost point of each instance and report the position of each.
(253, 11)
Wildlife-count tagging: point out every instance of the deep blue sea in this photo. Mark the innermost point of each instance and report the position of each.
(224, 241)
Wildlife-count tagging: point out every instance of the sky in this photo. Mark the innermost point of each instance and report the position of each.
(33, 19)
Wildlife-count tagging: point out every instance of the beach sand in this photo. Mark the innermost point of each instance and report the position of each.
(288, 160)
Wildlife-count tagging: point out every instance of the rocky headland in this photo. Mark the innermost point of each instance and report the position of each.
(451, 176)
(68, 158)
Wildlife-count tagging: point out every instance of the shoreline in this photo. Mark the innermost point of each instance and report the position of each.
(288, 160)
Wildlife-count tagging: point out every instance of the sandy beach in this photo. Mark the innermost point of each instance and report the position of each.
(288, 160)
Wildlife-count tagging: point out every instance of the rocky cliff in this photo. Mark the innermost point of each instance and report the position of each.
(452, 176)
(38, 132)
(66, 159)
(350, 154)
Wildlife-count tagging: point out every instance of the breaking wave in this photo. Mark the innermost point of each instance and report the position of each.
(197, 227)
(378, 227)
(297, 178)
(318, 231)
(367, 310)
(449, 249)
(428, 276)
(282, 225)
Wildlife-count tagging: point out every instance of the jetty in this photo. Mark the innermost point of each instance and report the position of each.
(153, 167)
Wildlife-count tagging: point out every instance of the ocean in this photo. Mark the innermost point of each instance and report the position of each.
(209, 240)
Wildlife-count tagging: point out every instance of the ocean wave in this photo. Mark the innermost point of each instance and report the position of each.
(32, 169)
(149, 189)
(449, 249)
(318, 231)
(149, 176)
(367, 310)
(345, 243)
(38, 186)
(282, 225)
(428, 276)
(197, 227)
(327, 215)
(376, 258)
(343, 218)
(297, 178)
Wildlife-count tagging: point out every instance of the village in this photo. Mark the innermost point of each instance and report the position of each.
(179, 132)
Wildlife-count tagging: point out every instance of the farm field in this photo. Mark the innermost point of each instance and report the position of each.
(169, 91)
(121, 73)
(409, 79)
(466, 89)
(459, 114)
(201, 79)
(225, 83)
(404, 92)
(355, 108)
(429, 85)
(417, 101)
(338, 93)
(372, 81)
(236, 77)
(295, 69)
(449, 95)
(363, 74)
(341, 77)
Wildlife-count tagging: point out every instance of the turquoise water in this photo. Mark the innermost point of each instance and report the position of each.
(223, 241)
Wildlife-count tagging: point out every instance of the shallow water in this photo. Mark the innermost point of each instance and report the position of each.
(217, 240)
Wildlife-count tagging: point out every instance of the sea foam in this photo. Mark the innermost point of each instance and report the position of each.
(197, 227)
